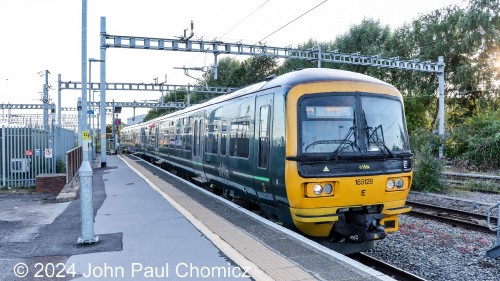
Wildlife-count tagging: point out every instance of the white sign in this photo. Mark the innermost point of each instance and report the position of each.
(48, 153)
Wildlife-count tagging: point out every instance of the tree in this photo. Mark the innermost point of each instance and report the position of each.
(231, 73)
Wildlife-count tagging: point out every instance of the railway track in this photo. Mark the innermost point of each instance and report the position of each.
(483, 183)
(454, 217)
(388, 269)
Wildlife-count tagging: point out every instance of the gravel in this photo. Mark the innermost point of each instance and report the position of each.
(437, 251)
(475, 202)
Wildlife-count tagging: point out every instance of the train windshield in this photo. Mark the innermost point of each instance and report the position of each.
(328, 124)
(334, 124)
(383, 124)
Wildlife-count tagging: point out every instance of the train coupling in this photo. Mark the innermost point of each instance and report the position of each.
(358, 227)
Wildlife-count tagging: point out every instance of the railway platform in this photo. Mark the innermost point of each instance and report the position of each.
(152, 225)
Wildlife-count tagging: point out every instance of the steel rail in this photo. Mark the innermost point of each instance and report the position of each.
(451, 216)
(386, 268)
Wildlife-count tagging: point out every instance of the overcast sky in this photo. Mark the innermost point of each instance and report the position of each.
(38, 35)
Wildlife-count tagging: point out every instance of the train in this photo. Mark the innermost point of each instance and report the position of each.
(323, 152)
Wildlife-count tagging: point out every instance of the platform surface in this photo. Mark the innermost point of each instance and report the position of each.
(152, 225)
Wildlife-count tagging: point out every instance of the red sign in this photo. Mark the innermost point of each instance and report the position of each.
(28, 152)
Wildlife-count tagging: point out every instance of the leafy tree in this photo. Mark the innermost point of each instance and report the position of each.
(468, 39)
(231, 73)
(226, 68)
(476, 144)
(296, 64)
(369, 37)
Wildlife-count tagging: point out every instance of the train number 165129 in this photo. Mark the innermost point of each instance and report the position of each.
(364, 181)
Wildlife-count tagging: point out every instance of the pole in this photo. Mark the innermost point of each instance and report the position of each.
(4, 156)
(94, 136)
(86, 193)
(112, 144)
(103, 92)
(319, 56)
(441, 105)
(59, 100)
(215, 67)
(79, 110)
(91, 153)
(45, 101)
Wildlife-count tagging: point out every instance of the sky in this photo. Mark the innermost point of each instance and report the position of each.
(39, 35)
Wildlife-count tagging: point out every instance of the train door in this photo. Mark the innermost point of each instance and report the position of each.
(197, 149)
(263, 148)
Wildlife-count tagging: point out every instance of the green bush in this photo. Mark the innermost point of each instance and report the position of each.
(427, 166)
(476, 143)
(60, 165)
(427, 170)
(481, 186)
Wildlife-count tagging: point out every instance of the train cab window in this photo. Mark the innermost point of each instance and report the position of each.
(383, 124)
(212, 138)
(223, 138)
(328, 124)
(264, 136)
(239, 138)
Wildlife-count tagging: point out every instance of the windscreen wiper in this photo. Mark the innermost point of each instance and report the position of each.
(351, 131)
(308, 158)
(379, 140)
(388, 150)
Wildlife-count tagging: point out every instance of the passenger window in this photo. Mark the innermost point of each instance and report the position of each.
(223, 138)
(195, 141)
(212, 140)
(167, 138)
(264, 136)
(178, 141)
(187, 138)
(239, 138)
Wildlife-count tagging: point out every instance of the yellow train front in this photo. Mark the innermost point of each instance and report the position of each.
(348, 167)
(322, 151)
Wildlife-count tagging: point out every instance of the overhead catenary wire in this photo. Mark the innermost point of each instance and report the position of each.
(245, 18)
(236, 25)
(305, 13)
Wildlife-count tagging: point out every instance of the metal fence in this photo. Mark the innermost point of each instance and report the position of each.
(32, 150)
(73, 162)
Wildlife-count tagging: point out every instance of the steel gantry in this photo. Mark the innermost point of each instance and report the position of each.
(45, 106)
(217, 47)
(70, 85)
(127, 86)
(50, 106)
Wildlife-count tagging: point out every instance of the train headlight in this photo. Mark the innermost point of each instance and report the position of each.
(317, 189)
(390, 184)
(399, 183)
(328, 188)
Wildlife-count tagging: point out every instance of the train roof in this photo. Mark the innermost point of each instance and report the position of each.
(308, 75)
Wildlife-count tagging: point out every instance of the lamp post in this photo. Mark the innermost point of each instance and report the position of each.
(85, 171)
